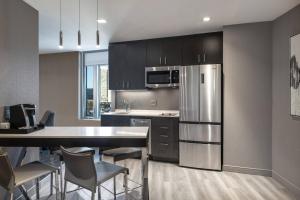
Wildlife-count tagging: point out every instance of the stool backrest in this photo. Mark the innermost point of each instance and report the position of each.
(7, 178)
(80, 169)
(48, 118)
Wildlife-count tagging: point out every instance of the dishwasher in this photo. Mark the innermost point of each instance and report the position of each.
(143, 122)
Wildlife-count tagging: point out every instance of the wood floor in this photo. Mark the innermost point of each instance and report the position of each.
(170, 182)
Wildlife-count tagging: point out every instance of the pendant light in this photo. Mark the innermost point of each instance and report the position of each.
(79, 33)
(97, 32)
(61, 45)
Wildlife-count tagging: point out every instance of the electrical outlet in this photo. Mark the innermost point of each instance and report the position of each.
(153, 102)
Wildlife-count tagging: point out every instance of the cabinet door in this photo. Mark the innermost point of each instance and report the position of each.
(164, 139)
(213, 48)
(114, 120)
(136, 62)
(154, 53)
(191, 50)
(117, 64)
(171, 51)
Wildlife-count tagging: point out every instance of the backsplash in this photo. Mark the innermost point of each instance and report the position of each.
(158, 99)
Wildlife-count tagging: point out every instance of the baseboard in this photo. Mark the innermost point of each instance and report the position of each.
(247, 170)
(288, 184)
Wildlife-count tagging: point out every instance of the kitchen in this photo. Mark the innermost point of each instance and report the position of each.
(215, 99)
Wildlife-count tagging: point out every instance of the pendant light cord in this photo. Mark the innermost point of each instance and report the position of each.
(60, 15)
(97, 15)
(79, 14)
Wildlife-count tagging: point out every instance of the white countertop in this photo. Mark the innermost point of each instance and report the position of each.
(146, 113)
(84, 132)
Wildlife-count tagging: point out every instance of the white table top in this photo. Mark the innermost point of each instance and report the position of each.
(84, 132)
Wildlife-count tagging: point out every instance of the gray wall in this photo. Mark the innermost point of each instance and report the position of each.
(18, 59)
(247, 98)
(157, 99)
(59, 88)
(286, 130)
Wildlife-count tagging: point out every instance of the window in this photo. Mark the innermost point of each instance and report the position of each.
(95, 95)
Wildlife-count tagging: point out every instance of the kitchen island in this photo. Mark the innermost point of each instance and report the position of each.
(85, 136)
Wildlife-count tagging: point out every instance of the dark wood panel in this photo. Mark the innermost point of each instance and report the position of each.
(171, 51)
(114, 120)
(154, 53)
(116, 61)
(213, 48)
(192, 50)
(136, 63)
(165, 139)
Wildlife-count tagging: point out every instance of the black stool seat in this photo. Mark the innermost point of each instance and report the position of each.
(123, 153)
(76, 150)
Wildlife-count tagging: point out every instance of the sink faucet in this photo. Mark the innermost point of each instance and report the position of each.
(126, 105)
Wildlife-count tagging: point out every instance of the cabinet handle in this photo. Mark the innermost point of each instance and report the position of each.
(164, 127)
(165, 60)
(123, 84)
(160, 60)
(164, 144)
(204, 58)
(199, 58)
(165, 136)
(128, 84)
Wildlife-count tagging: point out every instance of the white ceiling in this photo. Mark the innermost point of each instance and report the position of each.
(143, 19)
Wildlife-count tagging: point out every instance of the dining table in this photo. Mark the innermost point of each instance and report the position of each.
(85, 137)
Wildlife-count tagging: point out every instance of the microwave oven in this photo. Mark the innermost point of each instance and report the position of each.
(160, 77)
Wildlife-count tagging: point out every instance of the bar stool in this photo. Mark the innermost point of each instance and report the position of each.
(48, 120)
(61, 159)
(10, 178)
(93, 175)
(124, 153)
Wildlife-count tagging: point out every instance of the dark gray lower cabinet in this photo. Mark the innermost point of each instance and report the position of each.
(114, 120)
(164, 135)
(164, 139)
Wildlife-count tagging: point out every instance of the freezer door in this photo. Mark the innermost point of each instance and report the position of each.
(200, 132)
(189, 93)
(204, 156)
(210, 93)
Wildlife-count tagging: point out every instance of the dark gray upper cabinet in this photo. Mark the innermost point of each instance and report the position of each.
(127, 63)
(171, 51)
(136, 62)
(116, 62)
(213, 48)
(154, 53)
(192, 50)
(164, 52)
(203, 49)
(127, 60)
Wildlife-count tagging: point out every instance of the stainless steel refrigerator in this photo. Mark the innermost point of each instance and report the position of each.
(200, 125)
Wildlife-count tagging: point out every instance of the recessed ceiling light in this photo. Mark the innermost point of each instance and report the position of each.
(101, 21)
(206, 19)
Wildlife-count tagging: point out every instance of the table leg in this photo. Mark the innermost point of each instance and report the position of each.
(145, 189)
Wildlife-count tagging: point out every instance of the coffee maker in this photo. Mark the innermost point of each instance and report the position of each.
(22, 116)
